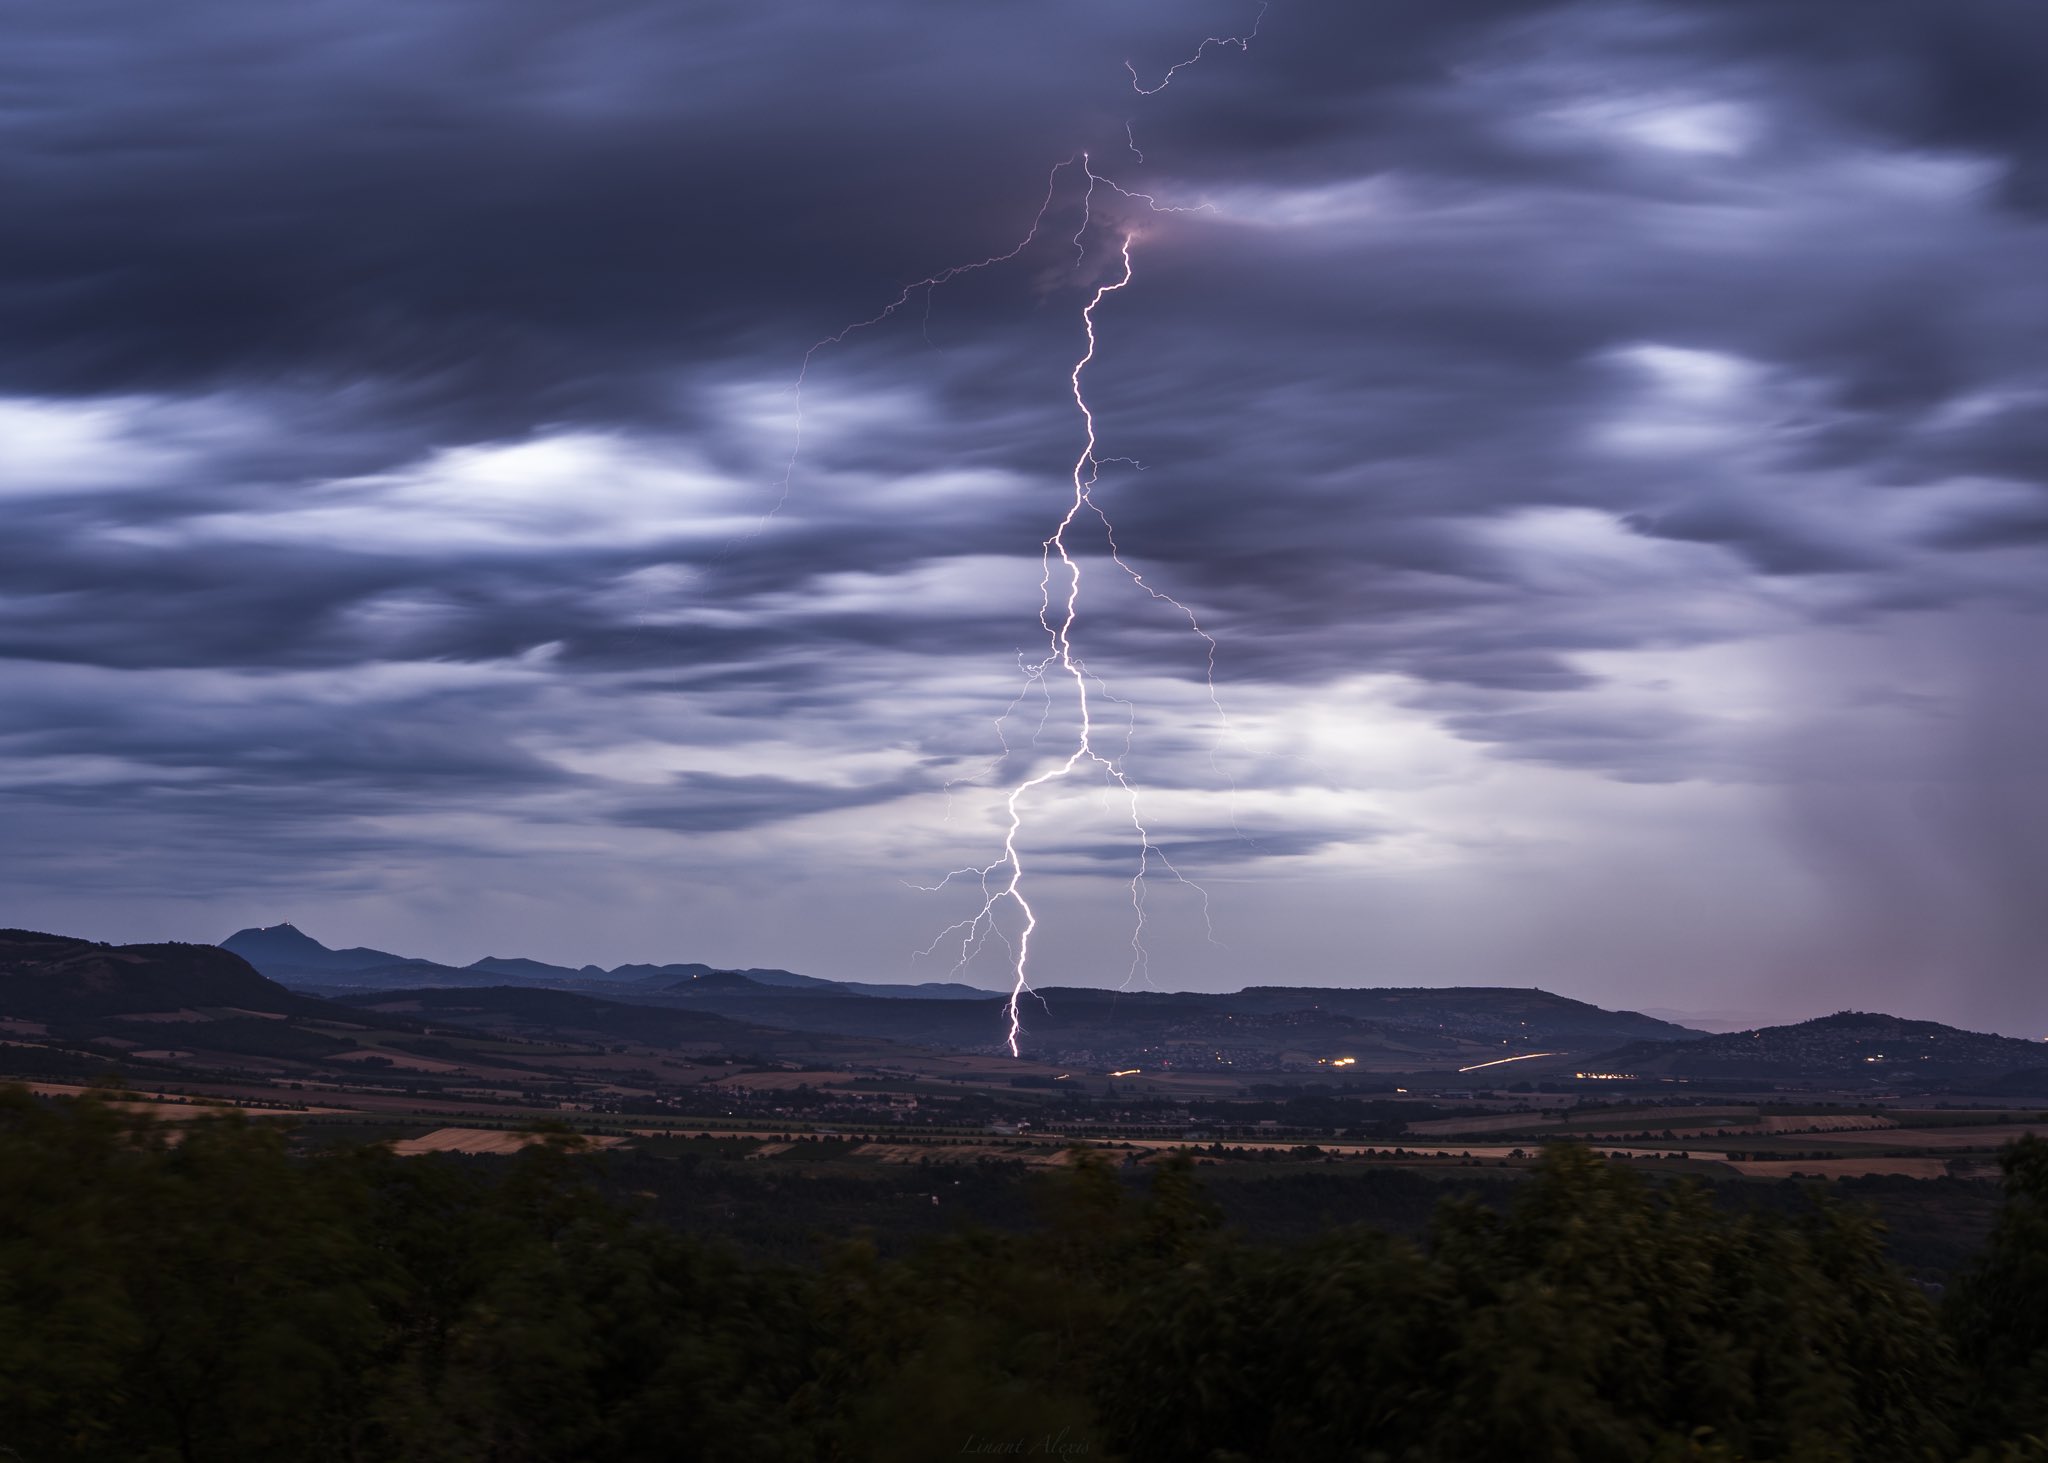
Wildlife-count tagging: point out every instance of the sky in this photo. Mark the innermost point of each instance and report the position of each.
(1605, 442)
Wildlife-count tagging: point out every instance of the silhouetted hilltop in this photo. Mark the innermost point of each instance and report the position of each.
(287, 945)
(523, 969)
(1858, 1045)
(46, 976)
(750, 983)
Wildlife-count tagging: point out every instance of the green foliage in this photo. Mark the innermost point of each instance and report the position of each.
(1999, 1310)
(155, 1295)
(214, 1298)
(1597, 1320)
(202, 1293)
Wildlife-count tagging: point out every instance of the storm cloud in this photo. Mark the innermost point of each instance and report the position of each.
(1604, 441)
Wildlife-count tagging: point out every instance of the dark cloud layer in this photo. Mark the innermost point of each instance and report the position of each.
(1597, 434)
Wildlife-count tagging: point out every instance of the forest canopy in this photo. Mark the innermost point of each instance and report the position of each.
(203, 1292)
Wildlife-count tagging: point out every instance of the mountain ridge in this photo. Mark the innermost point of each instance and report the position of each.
(1076, 1024)
(287, 954)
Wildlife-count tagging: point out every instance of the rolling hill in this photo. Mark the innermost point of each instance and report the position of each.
(46, 977)
(1389, 1028)
(1400, 1028)
(1860, 1046)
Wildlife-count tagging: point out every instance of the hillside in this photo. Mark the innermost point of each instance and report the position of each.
(72, 1008)
(1859, 1046)
(565, 1014)
(46, 977)
(1264, 1027)
(552, 1016)
(1513, 1012)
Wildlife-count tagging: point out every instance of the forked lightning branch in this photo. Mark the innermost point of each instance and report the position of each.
(1002, 883)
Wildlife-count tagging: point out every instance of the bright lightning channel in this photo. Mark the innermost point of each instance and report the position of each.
(1006, 874)
(1002, 882)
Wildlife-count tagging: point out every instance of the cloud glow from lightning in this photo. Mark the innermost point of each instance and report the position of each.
(1002, 882)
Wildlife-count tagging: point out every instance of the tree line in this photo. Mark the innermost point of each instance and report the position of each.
(200, 1292)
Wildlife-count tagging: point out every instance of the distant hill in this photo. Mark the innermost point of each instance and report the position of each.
(55, 977)
(286, 945)
(1126, 1028)
(2032, 1082)
(1867, 1046)
(669, 974)
(287, 954)
(1394, 1028)
(1115, 1025)
(538, 971)
(748, 984)
(1515, 1013)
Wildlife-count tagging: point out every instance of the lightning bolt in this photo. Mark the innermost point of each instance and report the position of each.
(1002, 882)
(928, 284)
(1243, 43)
